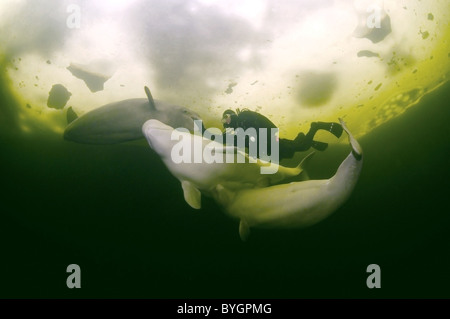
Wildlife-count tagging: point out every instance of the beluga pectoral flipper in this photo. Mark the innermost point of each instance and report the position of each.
(297, 204)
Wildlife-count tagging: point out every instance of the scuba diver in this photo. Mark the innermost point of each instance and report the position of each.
(287, 148)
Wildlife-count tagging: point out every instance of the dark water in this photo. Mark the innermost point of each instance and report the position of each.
(118, 213)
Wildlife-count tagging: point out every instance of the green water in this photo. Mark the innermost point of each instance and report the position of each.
(118, 213)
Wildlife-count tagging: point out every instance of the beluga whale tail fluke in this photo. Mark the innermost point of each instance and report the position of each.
(122, 121)
(297, 204)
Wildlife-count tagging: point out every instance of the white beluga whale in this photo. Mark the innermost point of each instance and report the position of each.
(122, 121)
(202, 175)
(297, 204)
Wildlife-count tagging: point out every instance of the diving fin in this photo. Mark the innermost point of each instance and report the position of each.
(192, 195)
(336, 129)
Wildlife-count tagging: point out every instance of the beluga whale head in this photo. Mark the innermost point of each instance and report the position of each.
(158, 134)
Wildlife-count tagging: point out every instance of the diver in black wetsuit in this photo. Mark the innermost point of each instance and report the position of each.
(287, 148)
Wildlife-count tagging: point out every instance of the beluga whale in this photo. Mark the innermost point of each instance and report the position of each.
(296, 204)
(200, 163)
(122, 121)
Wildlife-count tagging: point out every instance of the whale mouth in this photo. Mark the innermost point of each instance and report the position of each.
(152, 129)
(155, 125)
